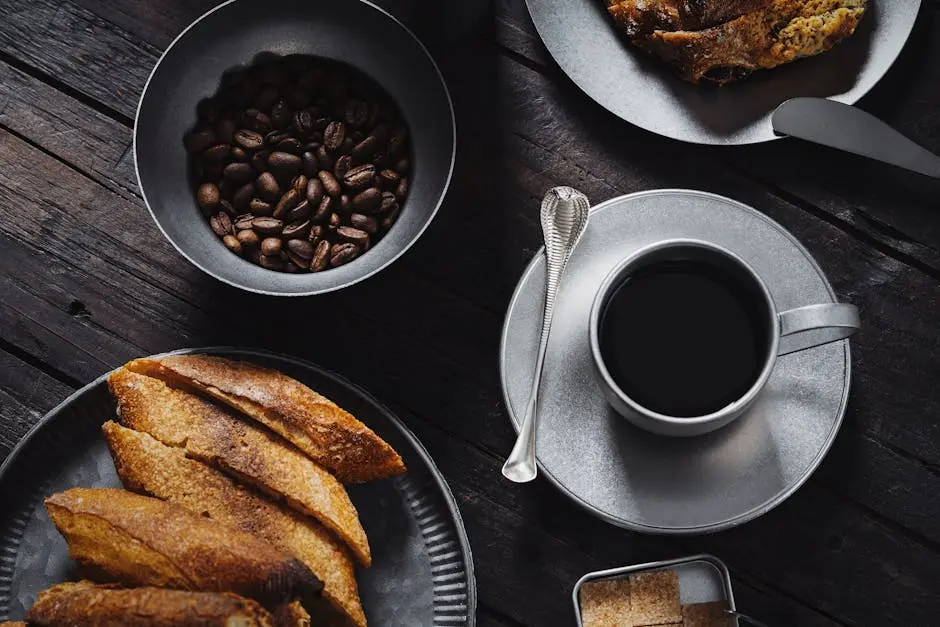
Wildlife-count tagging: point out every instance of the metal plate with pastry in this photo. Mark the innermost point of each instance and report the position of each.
(208, 486)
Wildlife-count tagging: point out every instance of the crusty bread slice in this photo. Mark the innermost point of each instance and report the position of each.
(328, 434)
(782, 32)
(211, 433)
(638, 18)
(292, 615)
(85, 603)
(146, 465)
(144, 541)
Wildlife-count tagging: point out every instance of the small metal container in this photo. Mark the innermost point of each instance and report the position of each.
(702, 579)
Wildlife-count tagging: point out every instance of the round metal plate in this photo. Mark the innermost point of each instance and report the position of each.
(422, 572)
(235, 33)
(652, 483)
(585, 42)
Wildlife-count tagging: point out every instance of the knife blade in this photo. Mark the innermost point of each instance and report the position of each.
(848, 128)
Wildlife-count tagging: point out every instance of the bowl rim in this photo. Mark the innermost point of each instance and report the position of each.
(322, 290)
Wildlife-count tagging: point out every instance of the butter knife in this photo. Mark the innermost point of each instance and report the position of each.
(848, 128)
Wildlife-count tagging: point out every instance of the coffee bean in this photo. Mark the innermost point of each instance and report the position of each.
(342, 166)
(271, 246)
(248, 239)
(330, 184)
(227, 207)
(343, 253)
(324, 158)
(359, 177)
(291, 267)
(324, 209)
(353, 235)
(345, 204)
(260, 208)
(216, 153)
(300, 212)
(267, 226)
(333, 135)
(315, 191)
(303, 123)
(231, 242)
(198, 141)
(346, 147)
(321, 256)
(364, 149)
(238, 154)
(398, 142)
(225, 130)
(243, 221)
(296, 230)
(256, 120)
(301, 248)
(389, 178)
(266, 98)
(380, 160)
(316, 232)
(287, 202)
(259, 160)
(221, 224)
(268, 187)
(284, 163)
(357, 112)
(401, 192)
(390, 218)
(310, 167)
(364, 223)
(299, 183)
(208, 196)
(241, 199)
(273, 138)
(289, 144)
(248, 139)
(271, 263)
(368, 200)
(401, 166)
(238, 173)
(335, 222)
(281, 114)
(381, 133)
(388, 202)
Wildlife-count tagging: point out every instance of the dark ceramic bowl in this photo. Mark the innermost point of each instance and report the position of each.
(352, 31)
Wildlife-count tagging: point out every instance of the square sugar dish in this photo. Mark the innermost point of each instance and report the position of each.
(687, 592)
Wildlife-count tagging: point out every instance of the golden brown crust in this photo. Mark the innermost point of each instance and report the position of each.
(782, 32)
(89, 605)
(638, 18)
(146, 465)
(212, 434)
(330, 435)
(292, 615)
(145, 541)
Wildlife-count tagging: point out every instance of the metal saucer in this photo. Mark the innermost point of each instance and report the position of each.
(650, 483)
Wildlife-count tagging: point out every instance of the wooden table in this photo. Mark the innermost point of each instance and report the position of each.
(87, 282)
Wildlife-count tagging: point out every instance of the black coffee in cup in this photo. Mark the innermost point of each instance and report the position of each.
(685, 337)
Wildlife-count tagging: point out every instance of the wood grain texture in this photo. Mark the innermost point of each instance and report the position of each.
(87, 282)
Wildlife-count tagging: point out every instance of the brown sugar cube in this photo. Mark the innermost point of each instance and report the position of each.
(606, 603)
(654, 598)
(706, 615)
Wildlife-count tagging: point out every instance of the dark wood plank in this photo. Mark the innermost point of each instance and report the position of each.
(26, 394)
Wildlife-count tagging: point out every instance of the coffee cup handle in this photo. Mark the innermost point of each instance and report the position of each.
(815, 325)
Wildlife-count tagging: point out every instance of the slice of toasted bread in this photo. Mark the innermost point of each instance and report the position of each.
(145, 541)
(330, 435)
(638, 18)
(146, 465)
(782, 32)
(211, 433)
(85, 603)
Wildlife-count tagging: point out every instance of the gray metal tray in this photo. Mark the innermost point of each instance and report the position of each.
(702, 579)
(422, 571)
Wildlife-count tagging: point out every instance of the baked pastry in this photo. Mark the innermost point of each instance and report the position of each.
(148, 466)
(723, 44)
(144, 541)
(89, 605)
(328, 434)
(212, 434)
(292, 615)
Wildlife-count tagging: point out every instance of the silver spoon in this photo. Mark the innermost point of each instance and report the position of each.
(564, 219)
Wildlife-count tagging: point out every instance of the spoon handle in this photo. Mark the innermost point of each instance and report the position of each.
(520, 465)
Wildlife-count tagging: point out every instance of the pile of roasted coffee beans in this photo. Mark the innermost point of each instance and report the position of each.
(299, 164)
